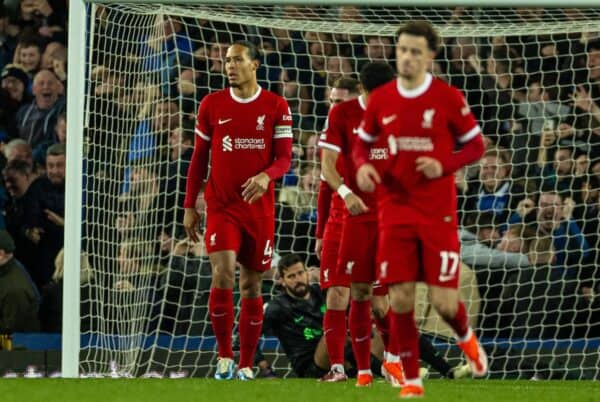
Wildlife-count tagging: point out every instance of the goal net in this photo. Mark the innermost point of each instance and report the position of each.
(529, 211)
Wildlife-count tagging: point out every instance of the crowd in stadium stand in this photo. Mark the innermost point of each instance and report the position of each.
(529, 211)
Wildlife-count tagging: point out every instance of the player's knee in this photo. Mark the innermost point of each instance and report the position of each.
(250, 289)
(360, 291)
(402, 297)
(337, 298)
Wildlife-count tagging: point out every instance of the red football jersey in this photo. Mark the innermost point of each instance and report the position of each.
(340, 135)
(425, 121)
(241, 134)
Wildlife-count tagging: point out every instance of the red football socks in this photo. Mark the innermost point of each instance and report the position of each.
(383, 326)
(460, 323)
(220, 307)
(359, 322)
(250, 327)
(404, 331)
(334, 329)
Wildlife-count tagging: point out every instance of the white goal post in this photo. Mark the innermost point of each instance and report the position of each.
(383, 17)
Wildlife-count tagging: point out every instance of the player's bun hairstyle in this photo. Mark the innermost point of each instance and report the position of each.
(287, 261)
(253, 51)
(421, 28)
(375, 74)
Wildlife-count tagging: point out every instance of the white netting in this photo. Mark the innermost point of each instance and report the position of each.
(528, 76)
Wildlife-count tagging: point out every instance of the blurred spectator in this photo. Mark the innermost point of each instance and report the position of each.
(216, 65)
(44, 18)
(586, 100)
(376, 48)
(181, 147)
(552, 217)
(298, 98)
(29, 55)
(47, 210)
(19, 298)
(303, 198)
(338, 67)
(166, 50)
(482, 247)
(52, 300)
(13, 95)
(18, 179)
(16, 81)
(7, 42)
(18, 149)
(36, 120)
(494, 191)
(464, 70)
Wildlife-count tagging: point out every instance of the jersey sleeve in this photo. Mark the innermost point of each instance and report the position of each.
(282, 142)
(198, 167)
(369, 127)
(463, 125)
(465, 130)
(332, 135)
(283, 120)
(202, 128)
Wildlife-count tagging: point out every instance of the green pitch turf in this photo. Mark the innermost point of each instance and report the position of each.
(201, 390)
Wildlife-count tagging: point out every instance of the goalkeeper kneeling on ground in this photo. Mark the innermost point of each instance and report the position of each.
(295, 317)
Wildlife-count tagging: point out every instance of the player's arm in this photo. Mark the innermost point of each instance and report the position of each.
(366, 174)
(328, 162)
(257, 185)
(332, 144)
(467, 132)
(197, 172)
(323, 206)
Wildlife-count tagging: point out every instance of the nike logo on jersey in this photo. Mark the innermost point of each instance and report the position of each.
(298, 319)
(364, 338)
(223, 121)
(445, 278)
(266, 261)
(388, 119)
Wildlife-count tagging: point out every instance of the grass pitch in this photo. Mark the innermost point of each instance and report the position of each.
(292, 390)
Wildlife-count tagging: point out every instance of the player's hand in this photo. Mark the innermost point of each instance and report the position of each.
(190, 223)
(255, 187)
(430, 167)
(318, 248)
(355, 205)
(367, 178)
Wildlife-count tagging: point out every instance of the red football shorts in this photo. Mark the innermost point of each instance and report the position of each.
(251, 239)
(411, 253)
(329, 257)
(358, 250)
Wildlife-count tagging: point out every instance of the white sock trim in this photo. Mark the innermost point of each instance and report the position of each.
(338, 368)
(466, 337)
(361, 372)
(393, 358)
(414, 381)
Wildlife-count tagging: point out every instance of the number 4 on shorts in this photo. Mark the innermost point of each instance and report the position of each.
(268, 253)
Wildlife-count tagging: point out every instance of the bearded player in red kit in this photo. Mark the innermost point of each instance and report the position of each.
(247, 132)
(421, 119)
